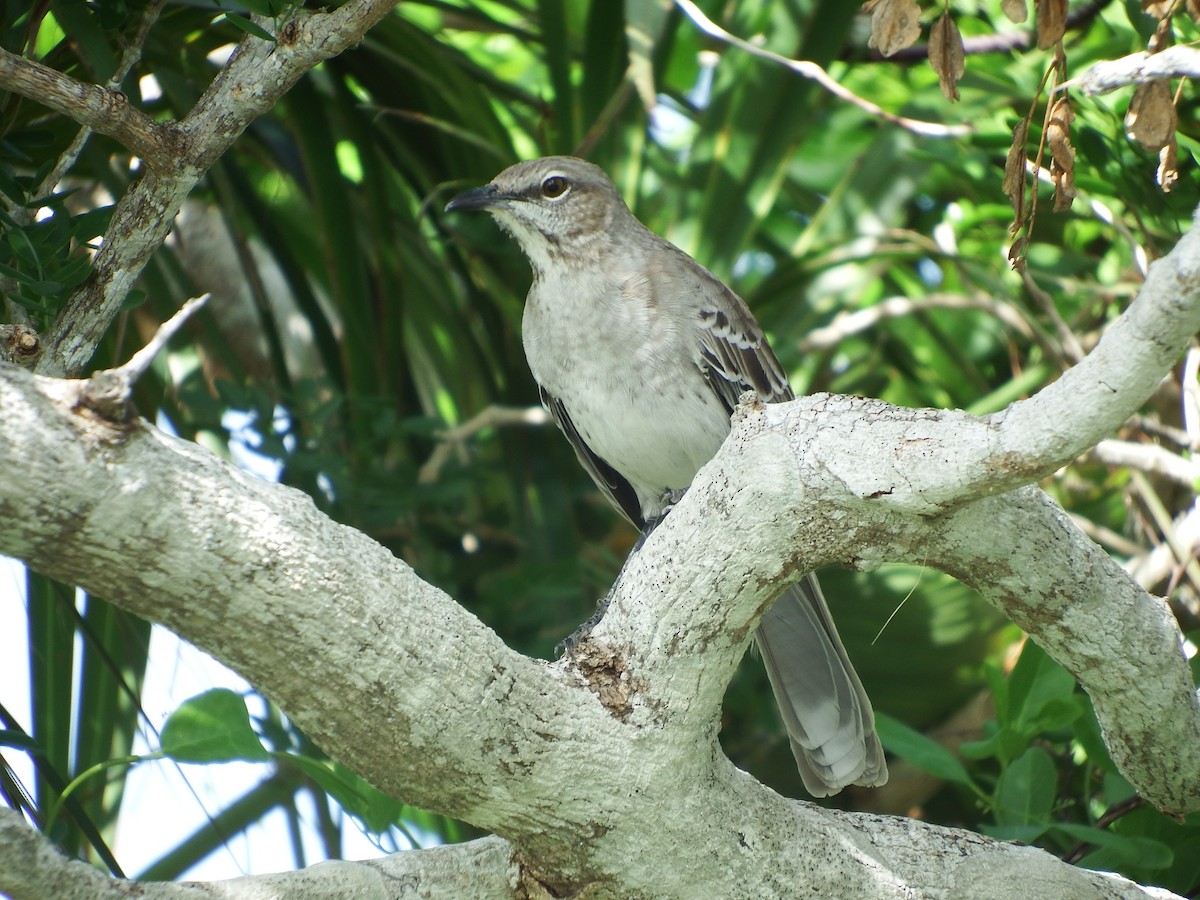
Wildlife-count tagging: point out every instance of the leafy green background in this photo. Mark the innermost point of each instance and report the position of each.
(353, 322)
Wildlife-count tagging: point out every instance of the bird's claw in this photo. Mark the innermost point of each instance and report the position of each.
(568, 644)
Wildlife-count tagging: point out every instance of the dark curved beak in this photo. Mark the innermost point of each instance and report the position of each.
(476, 198)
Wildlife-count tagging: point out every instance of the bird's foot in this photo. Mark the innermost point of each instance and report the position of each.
(568, 644)
(668, 499)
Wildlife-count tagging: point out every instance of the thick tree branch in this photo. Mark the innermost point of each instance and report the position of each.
(603, 777)
(1122, 645)
(604, 771)
(936, 459)
(791, 476)
(31, 867)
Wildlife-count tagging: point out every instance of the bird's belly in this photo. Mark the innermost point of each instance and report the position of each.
(628, 378)
(655, 436)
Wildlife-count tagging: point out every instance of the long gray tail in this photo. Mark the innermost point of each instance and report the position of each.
(825, 709)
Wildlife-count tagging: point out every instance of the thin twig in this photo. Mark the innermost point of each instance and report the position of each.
(846, 324)
(1149, 458)
(140, 361)
(807, 69)
(1180, 61)
(107, 393)
(1183, 550)
(453, 440)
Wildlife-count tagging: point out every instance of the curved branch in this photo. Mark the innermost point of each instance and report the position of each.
(1091, 400)
(102, 109)
(409, 690)
(810, 70)
(934, 460)
(904, 852)
(790, 470)
(177, 156)
(1025, 556)
(1180, 61)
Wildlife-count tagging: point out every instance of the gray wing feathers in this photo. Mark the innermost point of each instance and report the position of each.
(736, 357)
(825, 709)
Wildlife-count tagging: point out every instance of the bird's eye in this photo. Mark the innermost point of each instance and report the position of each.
(554, 187)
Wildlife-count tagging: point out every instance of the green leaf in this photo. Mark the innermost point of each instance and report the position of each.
(18, 239)
(376, 810)
(250, 28)
(1026, 789)
(999, 687)
(91, 224)
(1036, 682)
(75, 272)
(1087, 733)
(1002, 743)
(1056, 713)
(133, 300)
(321, 771)
(212, 727)
(923, 752)
(1124, 849)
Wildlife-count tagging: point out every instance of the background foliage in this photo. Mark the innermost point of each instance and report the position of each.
(352, 323)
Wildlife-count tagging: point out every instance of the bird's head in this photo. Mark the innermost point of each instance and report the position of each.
(555, 207)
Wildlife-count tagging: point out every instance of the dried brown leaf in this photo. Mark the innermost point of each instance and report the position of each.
(1151, 117)
(1157, 8)
(1058, 132)
(946, 55)
(1016, 10)
(1064, 188)
(1051, 22)
(1168, 166)
(1016, 253)
(1014, 173)
(1062, 154)
(1193, 8)
(895, 24)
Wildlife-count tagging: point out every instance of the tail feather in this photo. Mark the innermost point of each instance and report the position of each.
(825, 709)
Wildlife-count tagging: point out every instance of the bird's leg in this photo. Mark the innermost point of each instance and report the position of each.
(669, 498)
(567, 644)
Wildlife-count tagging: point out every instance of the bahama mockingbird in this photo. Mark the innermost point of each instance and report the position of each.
(641, 354)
